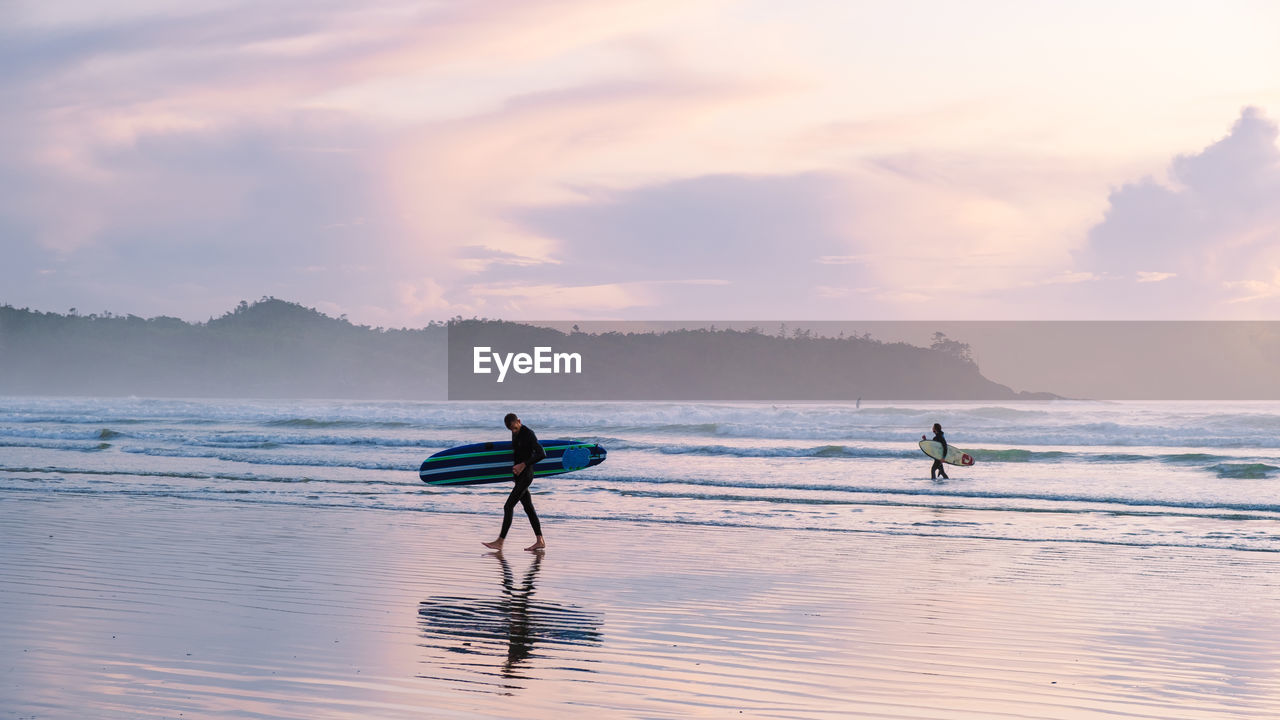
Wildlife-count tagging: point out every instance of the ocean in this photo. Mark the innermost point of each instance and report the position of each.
(1142, 474)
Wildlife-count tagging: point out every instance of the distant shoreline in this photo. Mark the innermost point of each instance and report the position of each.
(278, 349)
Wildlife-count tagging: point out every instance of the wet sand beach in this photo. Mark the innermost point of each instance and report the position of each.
(124, 607)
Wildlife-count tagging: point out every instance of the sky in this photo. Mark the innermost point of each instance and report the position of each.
(401, 162)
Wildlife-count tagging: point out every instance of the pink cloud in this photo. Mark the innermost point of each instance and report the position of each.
(1210, 234)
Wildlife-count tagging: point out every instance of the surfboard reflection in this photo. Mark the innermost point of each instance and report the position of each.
(512, 626)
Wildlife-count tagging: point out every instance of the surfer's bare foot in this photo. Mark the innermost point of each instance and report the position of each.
(538, 545)
(495, 545)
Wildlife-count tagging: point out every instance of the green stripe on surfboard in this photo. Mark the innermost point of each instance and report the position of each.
(499, 477)
(501, 452)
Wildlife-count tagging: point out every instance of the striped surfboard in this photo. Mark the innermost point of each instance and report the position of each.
(491, 462)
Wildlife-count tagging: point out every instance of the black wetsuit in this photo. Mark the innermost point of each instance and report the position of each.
(937, 464)
(524, 449)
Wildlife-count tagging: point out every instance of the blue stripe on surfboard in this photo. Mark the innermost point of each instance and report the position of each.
(437, 469)
(498, 446)
(424, 472)
(500, 471)
(575, 456)
(553, 449)
(441, 459)
(440, 469)
(482, 479)
(473, 480)
(476, 452)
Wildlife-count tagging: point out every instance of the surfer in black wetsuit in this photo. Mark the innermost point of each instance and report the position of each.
(525, 453)
(937, 468)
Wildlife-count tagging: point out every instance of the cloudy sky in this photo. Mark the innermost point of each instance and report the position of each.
(535, 159)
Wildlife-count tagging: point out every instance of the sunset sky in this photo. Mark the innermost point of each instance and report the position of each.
(401, 162)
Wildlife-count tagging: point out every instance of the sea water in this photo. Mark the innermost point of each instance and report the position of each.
(1176, 474)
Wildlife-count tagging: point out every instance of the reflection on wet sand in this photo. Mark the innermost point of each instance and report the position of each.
(512, 626)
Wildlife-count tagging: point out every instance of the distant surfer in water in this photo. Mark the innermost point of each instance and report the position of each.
(525, 453)
(937, 468)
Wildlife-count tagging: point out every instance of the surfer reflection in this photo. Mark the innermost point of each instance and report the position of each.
(482, 626)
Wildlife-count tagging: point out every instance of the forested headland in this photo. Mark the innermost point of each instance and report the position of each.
(268, 349)
(274, 349)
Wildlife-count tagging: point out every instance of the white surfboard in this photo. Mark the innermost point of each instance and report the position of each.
(955, 456)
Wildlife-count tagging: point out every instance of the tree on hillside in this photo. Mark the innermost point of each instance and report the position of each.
(954, 348)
